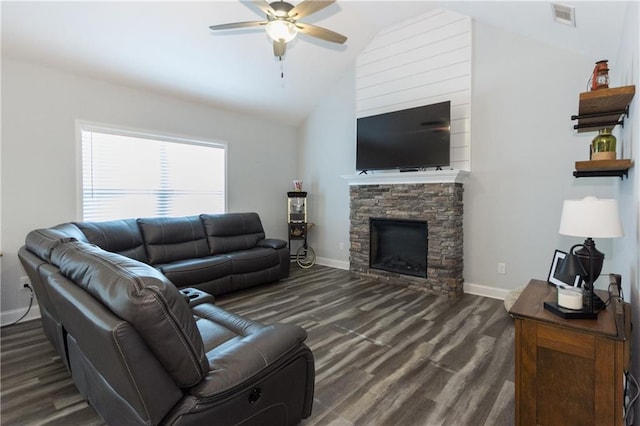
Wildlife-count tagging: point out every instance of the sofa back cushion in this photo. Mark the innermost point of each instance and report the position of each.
(119, 236)
(232, 231)
(41, 242)
(112, 366)
(142, 296)
(168, 239)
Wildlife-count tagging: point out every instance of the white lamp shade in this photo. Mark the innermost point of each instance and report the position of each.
(281, 31)
(591, 218)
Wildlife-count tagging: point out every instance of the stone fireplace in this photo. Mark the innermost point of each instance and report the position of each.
(426, 198)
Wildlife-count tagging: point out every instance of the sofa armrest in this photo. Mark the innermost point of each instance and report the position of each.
(242, 359)
(195, 297)
(273, 243)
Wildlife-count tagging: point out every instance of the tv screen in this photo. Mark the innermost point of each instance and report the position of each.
(409, 139)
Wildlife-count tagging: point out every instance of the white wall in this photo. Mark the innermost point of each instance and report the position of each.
(524, 148)
(39, 109)
(626, 250)
(327, 151)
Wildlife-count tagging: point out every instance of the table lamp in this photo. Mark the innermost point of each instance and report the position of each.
(589, 218)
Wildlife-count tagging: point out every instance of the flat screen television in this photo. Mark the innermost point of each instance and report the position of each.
(410, 139)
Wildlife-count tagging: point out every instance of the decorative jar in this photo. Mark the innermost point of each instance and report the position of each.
(603, 146)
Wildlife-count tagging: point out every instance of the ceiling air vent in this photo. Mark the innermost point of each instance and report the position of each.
(564, 14)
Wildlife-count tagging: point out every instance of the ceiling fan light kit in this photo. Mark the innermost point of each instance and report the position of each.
(282, 23)
(281, 31)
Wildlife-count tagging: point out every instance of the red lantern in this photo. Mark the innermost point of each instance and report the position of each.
(600, 75)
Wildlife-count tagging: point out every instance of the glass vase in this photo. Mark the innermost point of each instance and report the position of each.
(603, 146)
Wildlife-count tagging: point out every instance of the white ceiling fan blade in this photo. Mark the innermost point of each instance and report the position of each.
(321, 33)
(234, 25)
(264, 6)
(308, 7)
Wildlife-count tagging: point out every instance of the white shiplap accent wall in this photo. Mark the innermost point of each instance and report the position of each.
(421, 61)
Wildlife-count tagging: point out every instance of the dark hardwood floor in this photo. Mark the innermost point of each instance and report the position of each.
(385, 355)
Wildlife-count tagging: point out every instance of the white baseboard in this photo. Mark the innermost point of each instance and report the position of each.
(470, 288)
(476, 289)
(486, 291)
(11, 316)
(338, 264)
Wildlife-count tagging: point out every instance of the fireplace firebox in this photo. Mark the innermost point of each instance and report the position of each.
(399, 245)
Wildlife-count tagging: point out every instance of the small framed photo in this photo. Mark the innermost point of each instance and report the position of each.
(558, 279)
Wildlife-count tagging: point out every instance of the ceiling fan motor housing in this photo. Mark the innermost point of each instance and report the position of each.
(281, 8)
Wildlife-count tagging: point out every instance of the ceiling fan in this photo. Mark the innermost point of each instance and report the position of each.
(282, 23)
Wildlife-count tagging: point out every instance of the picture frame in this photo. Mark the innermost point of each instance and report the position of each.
(558, 279)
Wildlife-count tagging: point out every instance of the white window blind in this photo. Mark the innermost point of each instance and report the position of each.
(126, 175)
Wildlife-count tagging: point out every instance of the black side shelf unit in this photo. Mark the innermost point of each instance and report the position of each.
(599, 109)
(622, 173)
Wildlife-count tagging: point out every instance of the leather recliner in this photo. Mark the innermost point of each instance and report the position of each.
(143, 353)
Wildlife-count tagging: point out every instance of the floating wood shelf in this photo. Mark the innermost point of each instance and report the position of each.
(603, 108)
(593, 168)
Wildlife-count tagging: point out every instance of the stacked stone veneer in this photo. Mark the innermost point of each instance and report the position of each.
(440, 204)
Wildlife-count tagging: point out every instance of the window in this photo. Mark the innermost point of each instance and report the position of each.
(127, 174)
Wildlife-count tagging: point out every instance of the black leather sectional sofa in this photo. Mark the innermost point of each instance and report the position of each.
(124, 306)
(215, 253)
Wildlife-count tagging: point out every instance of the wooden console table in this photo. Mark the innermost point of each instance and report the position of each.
(569, 372)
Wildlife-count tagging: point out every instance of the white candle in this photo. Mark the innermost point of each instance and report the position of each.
(570, 298)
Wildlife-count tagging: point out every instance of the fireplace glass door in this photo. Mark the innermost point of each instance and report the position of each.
(399, 246)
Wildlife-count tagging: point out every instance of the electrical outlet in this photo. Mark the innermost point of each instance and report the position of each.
(24, 282)
(502, 268)
(341, 246)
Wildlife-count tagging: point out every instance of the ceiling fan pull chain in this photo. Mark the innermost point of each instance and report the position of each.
(281, 69)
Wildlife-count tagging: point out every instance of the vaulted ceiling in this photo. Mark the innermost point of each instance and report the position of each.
(168, 47)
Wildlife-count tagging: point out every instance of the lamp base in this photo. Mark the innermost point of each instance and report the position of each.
(589, 246)
(598, 303)
(565, 313)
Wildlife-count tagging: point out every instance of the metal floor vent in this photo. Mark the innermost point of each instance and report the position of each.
(564, 14)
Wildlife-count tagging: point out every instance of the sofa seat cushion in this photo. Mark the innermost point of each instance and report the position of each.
(190, 272)
(119, 236)
(256, 259)
(239, 349)
(232, 231)
(142, 296)
(168, 239)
